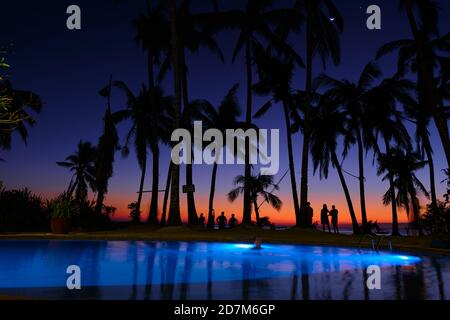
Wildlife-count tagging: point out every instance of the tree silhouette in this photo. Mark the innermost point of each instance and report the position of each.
(328, 123)
(82, 164)
(257, 185)
(106, 149)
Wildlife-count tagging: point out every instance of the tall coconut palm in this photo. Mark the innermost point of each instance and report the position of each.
(223, 118)
(258, 186)
(82, 164)
(192, 36)
(404, 165)
(153, 34)
(254, 23)
(352, 97)
(176, 49)
(328, 124)
(423, 17)
(275, 78)
(106, 149)
(383, 119)
(144, 110)
(421, 117)
(322, 40)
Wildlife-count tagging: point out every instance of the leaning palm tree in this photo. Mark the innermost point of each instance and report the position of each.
(353, 97)
(222, 118)
(147, 112)
(82, 164)
(106, 149)
(254, 23)
(328, 124)
(258, 186)
(275, 78)
(322, 39)
(420, 116)
(421, 54)
(383, 119)
(404, 165)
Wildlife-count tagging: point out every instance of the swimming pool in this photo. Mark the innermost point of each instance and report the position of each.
(200, 270)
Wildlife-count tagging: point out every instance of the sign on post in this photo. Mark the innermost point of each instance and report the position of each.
(189, 188)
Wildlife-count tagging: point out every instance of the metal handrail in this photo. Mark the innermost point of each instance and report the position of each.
(378, 238)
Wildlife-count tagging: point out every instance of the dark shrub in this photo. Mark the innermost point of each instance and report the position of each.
(21, 210)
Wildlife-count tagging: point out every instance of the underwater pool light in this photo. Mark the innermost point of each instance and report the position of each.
(244, 246)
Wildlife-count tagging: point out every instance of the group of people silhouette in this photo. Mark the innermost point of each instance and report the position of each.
(221, 221)
(333, 213)
(324, 214)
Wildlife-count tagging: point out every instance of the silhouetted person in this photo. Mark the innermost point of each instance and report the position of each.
(324, 218)
(309, 214)
(257, 243)
(222, 220)
(334, 219)
(232, 222)
(201, 220)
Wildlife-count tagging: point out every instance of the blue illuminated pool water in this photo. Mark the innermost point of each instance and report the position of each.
(194, 270)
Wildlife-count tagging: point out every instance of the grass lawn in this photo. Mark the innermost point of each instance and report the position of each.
(239, 234)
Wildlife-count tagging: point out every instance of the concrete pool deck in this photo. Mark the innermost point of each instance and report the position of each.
(239, 234)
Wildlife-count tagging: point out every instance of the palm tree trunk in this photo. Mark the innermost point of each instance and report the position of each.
(355, 224)
(426, 77)
(211, 196)
(153, 213)
(99, 202)
(429, 152)
(163, 221)
(174, 209)
(255, 204)
(416, 210)
(362, 193)
(247, 213)
(302, 219)
(395, 229)
(151, 77)
(291, 160)
(141, 185)
(192, 212)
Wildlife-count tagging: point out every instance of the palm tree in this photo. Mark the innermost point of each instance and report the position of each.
(421, 117)
(82, 164)
(147, 112)
(222, 118)
(192, 37)
(176, 48)
(257, 186)
(353, 97)
(152, 32)
(421, 51)
(13, 113)
(106, 149)
(322, 39)
(275, 78)
(328, 123)
(253, 23)
(383, 119)
(404, 166)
